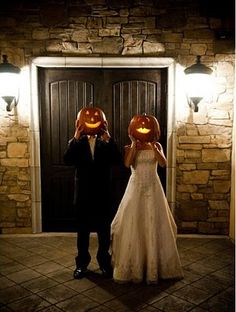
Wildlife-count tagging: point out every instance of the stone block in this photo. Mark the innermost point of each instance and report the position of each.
(199, 34)
(18, 197)
(216, 196)
(15, 162)
(153, 47)
(207, 166)
(193, 211)
(197, 196)
(195, 139)
(213, 129)
(196, 177)
(192, 154)
(190, 146)
(215, 155)
(171, 37)
(184, 188)
(219, 204)
(17, 230)
(16, 150)
(187, 167)
(80, 35)
(198, 49)
(40, 34)
(207, 228)
(109, 45)
(23, 213)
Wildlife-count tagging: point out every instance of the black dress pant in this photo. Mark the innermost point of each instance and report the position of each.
(103, 257)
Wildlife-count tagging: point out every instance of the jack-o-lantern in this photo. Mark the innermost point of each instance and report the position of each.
(92, 120)
(144, 128)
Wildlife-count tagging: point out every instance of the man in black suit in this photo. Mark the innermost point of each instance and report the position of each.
(93, 157)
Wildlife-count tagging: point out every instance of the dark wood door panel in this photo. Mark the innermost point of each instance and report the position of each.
(55, 219)
(130, 98)
(63, 92)
(131, 91)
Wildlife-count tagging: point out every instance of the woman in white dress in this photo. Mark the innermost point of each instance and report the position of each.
(143, 243)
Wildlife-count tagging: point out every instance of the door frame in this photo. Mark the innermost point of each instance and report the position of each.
(98, 62)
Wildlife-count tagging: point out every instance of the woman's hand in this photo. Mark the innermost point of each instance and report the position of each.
(156, 145)
(133, 141)
(159, 154)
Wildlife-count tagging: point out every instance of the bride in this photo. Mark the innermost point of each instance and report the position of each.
(143, 230)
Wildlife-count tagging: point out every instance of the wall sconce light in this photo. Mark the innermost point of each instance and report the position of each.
(198, 83)
(9, 83)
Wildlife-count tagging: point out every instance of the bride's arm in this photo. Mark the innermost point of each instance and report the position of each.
(159, 154)
(130, 154)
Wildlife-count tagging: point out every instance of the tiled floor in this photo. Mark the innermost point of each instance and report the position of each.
(36, 275)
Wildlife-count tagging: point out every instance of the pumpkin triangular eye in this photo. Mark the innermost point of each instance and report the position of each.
(87, 112)
(96, 114)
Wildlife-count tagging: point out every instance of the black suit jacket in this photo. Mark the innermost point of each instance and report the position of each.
(93, 180)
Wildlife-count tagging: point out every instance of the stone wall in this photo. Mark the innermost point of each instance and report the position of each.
(163, 28)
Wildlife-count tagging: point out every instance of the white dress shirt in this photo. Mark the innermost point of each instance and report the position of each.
(92, 141)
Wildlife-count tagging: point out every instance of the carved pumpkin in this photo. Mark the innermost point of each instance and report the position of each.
(92, 120)
(144, 128)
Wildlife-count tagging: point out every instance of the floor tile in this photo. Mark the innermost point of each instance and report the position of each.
(39, 284)
(99, 294)
(173, 304)
(62, 275)
(79, 303)
(11, 267)
(218, 304)
(192, 294)
(5, 283)
(48, 267)
(80, 285)
(57, 293)
(51, 308)
(29, 304)
(13, 293)
(23, 276)
(32, 261)
(206, 284)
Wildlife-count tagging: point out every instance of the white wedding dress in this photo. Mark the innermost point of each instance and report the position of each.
(143, 241)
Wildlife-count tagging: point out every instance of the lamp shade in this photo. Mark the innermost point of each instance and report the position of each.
(9, 81)
(198, 82)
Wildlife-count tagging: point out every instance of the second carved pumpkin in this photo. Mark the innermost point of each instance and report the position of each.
(144, 128)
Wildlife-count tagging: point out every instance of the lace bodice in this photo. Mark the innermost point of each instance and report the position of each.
(145, 167)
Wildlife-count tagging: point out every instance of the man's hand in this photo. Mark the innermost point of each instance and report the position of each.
(78, 130)
(105, 136)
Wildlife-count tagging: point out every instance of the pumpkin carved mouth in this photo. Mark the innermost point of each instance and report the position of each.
(143, 130)
(93, 125)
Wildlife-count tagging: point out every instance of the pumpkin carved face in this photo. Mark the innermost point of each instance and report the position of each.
(92, 120)
(144, 128)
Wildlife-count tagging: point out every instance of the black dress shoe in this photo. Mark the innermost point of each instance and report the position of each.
(107, 272)
(79, 273)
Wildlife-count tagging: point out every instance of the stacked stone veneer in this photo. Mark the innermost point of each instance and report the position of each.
(177, 29)
(203, 178)
(15, 187)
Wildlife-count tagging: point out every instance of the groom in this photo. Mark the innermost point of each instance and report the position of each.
(93, 153)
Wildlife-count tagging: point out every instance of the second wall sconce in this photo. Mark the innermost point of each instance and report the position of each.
(198, 83)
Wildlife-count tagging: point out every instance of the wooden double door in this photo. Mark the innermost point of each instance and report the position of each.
(120, 93)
